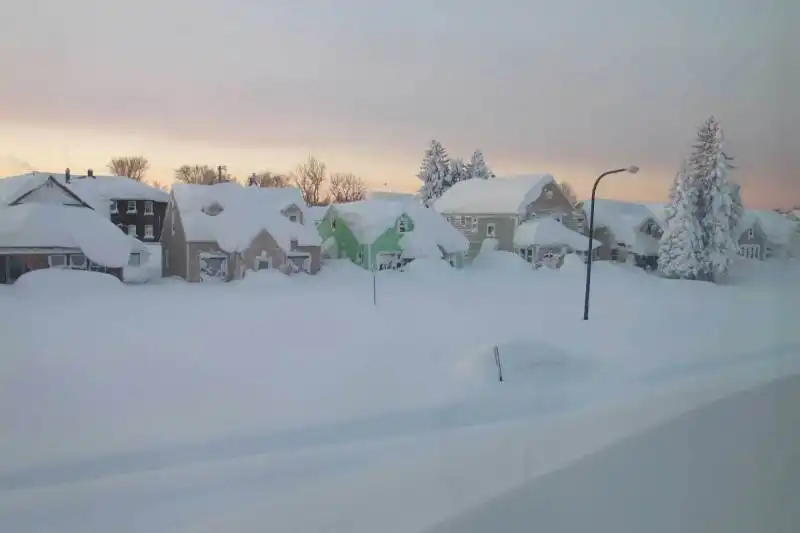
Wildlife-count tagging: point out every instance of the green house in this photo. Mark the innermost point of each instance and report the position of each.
(382, 234)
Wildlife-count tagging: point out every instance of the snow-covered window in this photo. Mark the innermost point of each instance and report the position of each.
(293, 217)
(131, 207)
(615, 254)
(113, 209)
(262, 264)
(132, 230)
(474, 224)
(490, 229)
(402, 225)
(135, 259)
(77, 261)
(751, 234)
(55, 261)
(548, 194)
(148, 207)
(148, 232)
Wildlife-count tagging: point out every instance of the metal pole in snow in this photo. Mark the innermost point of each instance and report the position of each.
(372, 268)
(497, 362)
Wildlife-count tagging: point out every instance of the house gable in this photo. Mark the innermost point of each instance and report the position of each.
(651, 227)
(550, 200)
(50, 192)
(293, 210)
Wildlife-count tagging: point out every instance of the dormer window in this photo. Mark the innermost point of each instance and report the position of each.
(131, 207)
(293, 217)
(213, 209)
(402, 225)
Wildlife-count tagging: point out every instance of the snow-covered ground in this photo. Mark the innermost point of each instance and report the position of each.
(293, 403)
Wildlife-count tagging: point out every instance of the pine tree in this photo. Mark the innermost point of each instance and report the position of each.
(680, 249)
(458, 171)
(716, 212)
(434, 173)
(477, 169)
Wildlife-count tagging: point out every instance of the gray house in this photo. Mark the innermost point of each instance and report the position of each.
(629, 232)
(220, 232)
(767, 234)
(494, 209)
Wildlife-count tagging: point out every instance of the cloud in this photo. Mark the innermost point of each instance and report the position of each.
(575, 82)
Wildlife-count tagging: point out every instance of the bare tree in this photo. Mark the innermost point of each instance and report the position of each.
(569, 192)
(271, 180)
(133, 167)
(202, 175)
(309, 178)
(347, 188)
(158, 185)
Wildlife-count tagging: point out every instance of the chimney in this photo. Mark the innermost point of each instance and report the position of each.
(90, 173)
(67, 176)
(253, 180)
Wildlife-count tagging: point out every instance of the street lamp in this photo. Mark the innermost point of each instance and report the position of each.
(631, 169)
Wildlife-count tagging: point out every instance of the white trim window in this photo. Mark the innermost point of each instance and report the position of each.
(491, 230)
(148, 207)
(402, 225)
(293, 217)
(172, 223)
(548, 194)
(57, 261)
(113, 208)
(77, 261)
(751, 234)
(135, 259)
(148, 232)
(131, 207)
(474, 225)
(132, 230)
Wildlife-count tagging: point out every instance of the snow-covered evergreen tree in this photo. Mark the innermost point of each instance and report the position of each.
(716, 212)
(680, 248)
(477, 168)
(434, 173)
(458, 171)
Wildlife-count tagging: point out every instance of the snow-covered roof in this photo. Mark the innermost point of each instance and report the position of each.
(279, 197)
(432, 233)
(246, 211)
(368, 219)
(622, 218)
(777, 228)
(102, 188)
(658, 210)
(40, 225)
(550, 232)
(314, 213)
(499, 195)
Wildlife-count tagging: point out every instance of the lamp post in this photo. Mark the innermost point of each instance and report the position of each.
(630, 169)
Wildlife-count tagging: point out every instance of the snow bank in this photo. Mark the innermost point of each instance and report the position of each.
(430, 225)
(501, 262)
(430, 268)
(623, 218)
(268, 277)
(232, 215)
(35, 225)
(550, 232)
(52, 281)
(573, 264)
(499, 195)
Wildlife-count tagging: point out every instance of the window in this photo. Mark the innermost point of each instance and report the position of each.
(131, 206)
(558, 217)
(148, 207)
(132, 230)
(751, 234)
(474, 225)
(135, 259)
(172, 223)
(148, 232)
(402, 225)
(490, 229)
(77, 261)
(293, 218)
(460, 220)
(615, 254)
(166, 258)
(262, 264)
(548, 194)
(333, 223)
(113, 207)
(57, 261)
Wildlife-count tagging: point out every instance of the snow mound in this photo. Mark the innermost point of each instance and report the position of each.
(264, 277)
(506, 262)
(550, 232)
(522, 361)
(338, 269)
(62, 280)
(573, 263)
(489, 244)
(429, 268)
(499, 195)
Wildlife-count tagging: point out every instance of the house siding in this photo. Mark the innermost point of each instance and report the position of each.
(173, 256)
(557, 204)
(197, 248)
(505, 225)
(13, 265)
(123, 219)
(758, 239)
